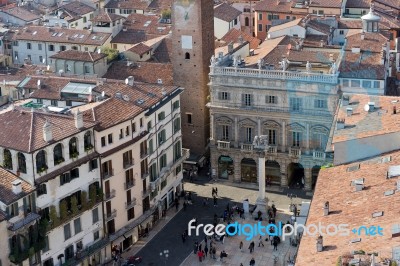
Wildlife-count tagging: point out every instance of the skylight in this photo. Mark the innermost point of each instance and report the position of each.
(393, 171)
(60, 34)
(75, 36)
(353, 168)
(81, 37)
(34, 33)
(54, 34)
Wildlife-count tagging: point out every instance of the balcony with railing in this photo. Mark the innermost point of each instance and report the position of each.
(146, 192)
(23, 220)
(109, 195)
(274, 74)
(295, 152)
(246, 147)
(108, 174)
(223, 145)
(144, 153)
(128, 163)
(319, 155)
(111, 215)
(130, 184)
(145, 174)
(272, 150)
(130, 204)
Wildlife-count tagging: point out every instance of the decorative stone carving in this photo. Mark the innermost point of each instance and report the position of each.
(247, 123)
(271, 124)
(235, 62)
(260, 63)
(333, 68)
(295, 127)
(213, 61)
(285, 64)
(224, 121)
(308, 67)
(320, 130)
(260, 142)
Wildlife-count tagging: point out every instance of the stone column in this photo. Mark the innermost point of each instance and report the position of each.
(284, 179)
(262, 201)
(308, 178)
(214, 162)
(236, 132)
(237, 169)
(307, 138)
(284, 138)
(259, 126)
(212, 126)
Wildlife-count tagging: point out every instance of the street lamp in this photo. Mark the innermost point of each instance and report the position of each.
(165, 255)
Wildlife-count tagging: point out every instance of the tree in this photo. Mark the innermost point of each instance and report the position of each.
(166, 14)
(111, 53)
(53, 215)
(92, 194)
(63, 210)
(84, 200)
(74, 205)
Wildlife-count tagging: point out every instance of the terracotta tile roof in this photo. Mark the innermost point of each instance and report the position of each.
(22, 13)
(62, 35)
(148, 23)
(389, 3)
(364, 65)
(114, 110)
(77, 8)
(318, 26)
(147, 72)
(315, 40)
(273, 6)
(346, 206)
(326, 3)
(234, 35)
(226, 12)
(321, 56)
(129, 4)
(18, 74)
(163, 53)
(350, 24)
(263, 50)
(286, 25)
(7, 196)
(130, 37)
(159, 5)
(3, 216)
(28, 126)
(140, 49)
(365, 124)
(358, 4)
(78, 56)
(107, 17)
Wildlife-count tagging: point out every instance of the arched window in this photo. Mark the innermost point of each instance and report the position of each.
(246, 21)
(7, 160)
(41, 164)
(58, 154)
(187, 55)
(73, 148)
(21, 163)
(87, 142)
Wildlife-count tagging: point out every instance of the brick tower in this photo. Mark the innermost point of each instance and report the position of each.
(192, 48)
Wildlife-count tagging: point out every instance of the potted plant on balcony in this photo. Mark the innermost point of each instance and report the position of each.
(74, 205)
(43, 169)
(88, 148)
(54, 220)
(63, 210)
(74, 155)
(60, 160)
(84, 200)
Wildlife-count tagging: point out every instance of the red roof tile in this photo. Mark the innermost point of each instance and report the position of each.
(78, 56)
(7, 195)
(226, 12)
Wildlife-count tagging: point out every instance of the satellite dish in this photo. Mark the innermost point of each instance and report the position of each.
(126, 81)
(103, 94)
(366, 107)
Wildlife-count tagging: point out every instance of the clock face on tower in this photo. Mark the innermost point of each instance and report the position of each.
(183, 9)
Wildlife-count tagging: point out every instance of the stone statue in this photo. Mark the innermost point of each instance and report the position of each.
(264, 140)
(333, 68)
(213, 61)
(284, 64)
(260, 63)
(235, 62)
(308, 67)
(256, 141)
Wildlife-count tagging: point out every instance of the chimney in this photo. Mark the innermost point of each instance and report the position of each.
(17, 186)
(321, 43)
(371, 106)
(362, 35)
(349, 111)
(340, 124)
(355, 50)
(331, 58)
(39, 84)
(326, 208)
(230, 47)
(394, 110)
(118, 95)
(47, 132)
(320, 243)
(130, 80)
(345, 100)
(159, 81)
(241, 39)
(78, 120)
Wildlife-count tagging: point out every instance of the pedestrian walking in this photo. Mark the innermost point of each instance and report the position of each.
(214, 251)
(241, 245)
(184, 205)
(200, 247)
(251, 247)
(195, 247)
(200, 254)
(213, 192)
(183, 237)
(206, 250)
(216, 191)
(260, 241)
(215, 202)
(252, 262)
(275, 243)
